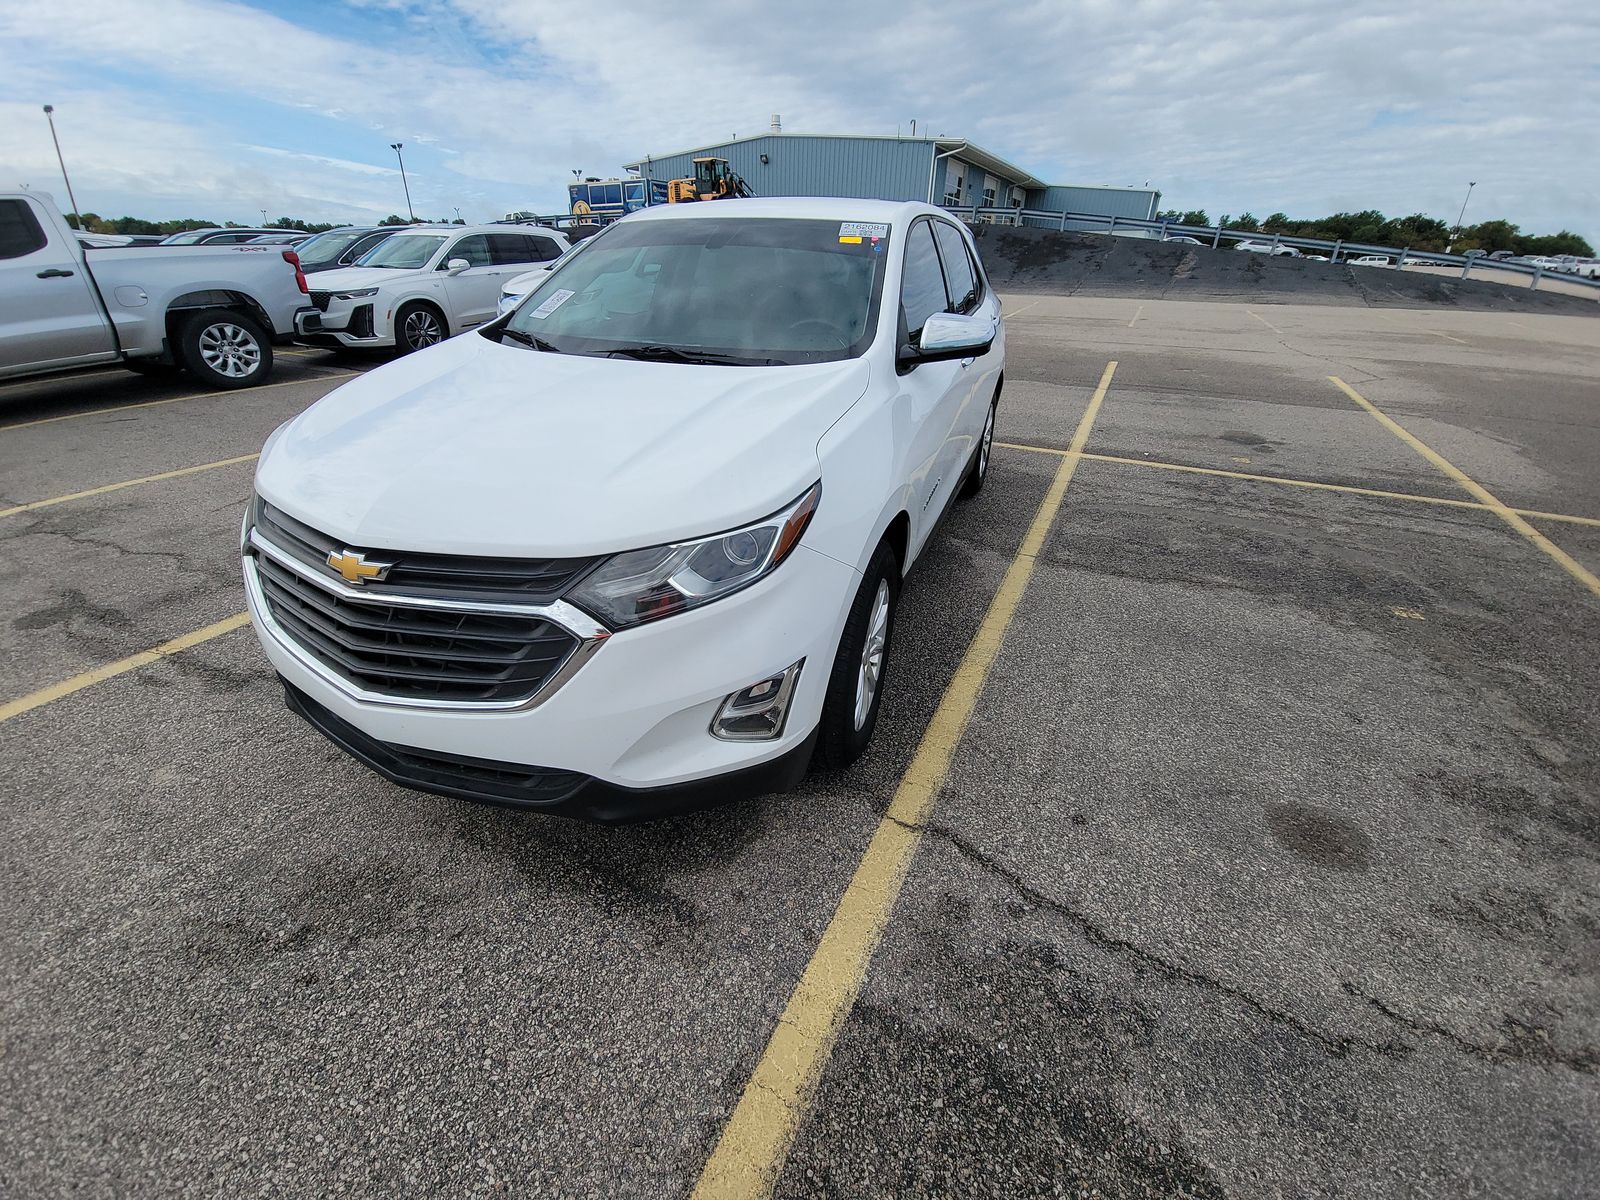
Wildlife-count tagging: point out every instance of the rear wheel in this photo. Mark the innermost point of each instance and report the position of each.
(980, 462)
(225, 349)
(855, 688)
(418, 326)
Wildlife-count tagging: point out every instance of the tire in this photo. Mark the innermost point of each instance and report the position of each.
(850, 708)
(979, 471)
(418, 326)
(225, 349)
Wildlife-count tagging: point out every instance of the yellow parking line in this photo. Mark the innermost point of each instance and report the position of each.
(1447, 337)
(126, 483)
(757, 1138)
(1024, 308)
(1136, 313)
(1304, 483)
(1265, 322)
(1510, 516)
(100, 412)
(122, 666)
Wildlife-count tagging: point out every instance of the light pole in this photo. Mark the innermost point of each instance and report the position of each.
(397, 147)
(1470, 185)
(49, 115)
(263, 216)
(457, 207)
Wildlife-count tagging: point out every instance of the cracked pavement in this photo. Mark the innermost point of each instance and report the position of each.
(1269, 864)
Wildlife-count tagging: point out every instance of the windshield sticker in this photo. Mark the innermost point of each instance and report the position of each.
(854, 233)
(557, 299)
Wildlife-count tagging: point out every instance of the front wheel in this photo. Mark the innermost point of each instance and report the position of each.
(855, 688)
(418, 326)
(225, 349)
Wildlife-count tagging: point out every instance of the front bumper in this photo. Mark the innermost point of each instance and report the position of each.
(342, 323)
(635, 717)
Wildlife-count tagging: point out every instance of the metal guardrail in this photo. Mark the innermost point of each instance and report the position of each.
(1337, 250)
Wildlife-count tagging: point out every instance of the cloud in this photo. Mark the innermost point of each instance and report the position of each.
(1226, 107)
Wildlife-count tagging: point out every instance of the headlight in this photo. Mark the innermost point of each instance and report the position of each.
(646, 585)
(355, 295)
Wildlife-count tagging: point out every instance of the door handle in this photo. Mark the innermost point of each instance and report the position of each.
(967, 362)
(54, 273)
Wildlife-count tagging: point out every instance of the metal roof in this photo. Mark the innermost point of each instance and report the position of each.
(976, 155)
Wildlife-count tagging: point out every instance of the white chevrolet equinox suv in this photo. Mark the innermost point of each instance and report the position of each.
(636, 545)
(421, 285)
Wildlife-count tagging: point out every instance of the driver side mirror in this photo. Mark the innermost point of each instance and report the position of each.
(457, 265)
(947, 336)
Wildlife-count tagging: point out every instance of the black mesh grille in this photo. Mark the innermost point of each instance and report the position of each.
(320, 300)
(448, 576)
(414, 653)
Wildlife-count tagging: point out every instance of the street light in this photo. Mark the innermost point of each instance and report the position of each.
(396, 147)
(49, 115)
(263, 216)
(1470, 185)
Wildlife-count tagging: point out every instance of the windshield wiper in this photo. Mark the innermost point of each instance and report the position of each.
(674, 354)
(528, 340)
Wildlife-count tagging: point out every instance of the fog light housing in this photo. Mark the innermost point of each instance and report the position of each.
(757, 713)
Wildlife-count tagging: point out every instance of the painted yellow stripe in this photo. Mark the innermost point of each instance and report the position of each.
(58, 691)
(126, 483)
(1023, 309)
(1512, 518)
(215, 395)
(1136, 313)
(1446, 501)
(756, 1141)
(1265, 322)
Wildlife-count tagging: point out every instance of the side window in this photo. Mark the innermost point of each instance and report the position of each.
(922, 285)
(509, 249)
(957, 267)
(546, 249)
(362, 245)
(19, 229)
(475, 249)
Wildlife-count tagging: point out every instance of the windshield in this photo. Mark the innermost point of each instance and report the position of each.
(742, 291)
(186, 239)
(326, 247)
(403, 251)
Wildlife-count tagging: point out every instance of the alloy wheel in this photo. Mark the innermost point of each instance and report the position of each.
(422, 328)
(872, 650)
(230, 350)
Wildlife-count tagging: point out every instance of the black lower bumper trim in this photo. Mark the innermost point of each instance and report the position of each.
(562, 793)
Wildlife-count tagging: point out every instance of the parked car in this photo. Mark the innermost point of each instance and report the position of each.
(1186, 240)
(277, 239)
(214, 310)
(518, 286)
(1315, 257)
(422, 285)
(1370, 260)
(340, 247)
(214, 237)
(1409, 261)
(1497, 256)
(639, 544)
(1268, 248)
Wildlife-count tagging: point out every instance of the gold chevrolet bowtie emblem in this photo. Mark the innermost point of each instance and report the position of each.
(354, 567)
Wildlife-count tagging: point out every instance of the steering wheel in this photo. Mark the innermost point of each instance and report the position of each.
(831, 331)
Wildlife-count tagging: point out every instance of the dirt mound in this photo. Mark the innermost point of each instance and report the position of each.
(1022, 259)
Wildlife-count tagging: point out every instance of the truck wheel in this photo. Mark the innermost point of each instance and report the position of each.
(855, 689)
(225, 349)
(417, 326)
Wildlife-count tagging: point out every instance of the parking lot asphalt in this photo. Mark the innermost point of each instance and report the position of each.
(1267, 862)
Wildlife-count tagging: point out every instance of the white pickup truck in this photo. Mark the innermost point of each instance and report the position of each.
(214, 311)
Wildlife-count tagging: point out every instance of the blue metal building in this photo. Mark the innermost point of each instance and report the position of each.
(939, 170)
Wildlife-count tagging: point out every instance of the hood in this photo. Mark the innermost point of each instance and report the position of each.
(348, 279)
(472, 447)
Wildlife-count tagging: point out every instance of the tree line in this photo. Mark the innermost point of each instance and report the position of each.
(1418, 232)
(94, 223)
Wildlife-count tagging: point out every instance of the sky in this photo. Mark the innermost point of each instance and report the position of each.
(223, 108)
